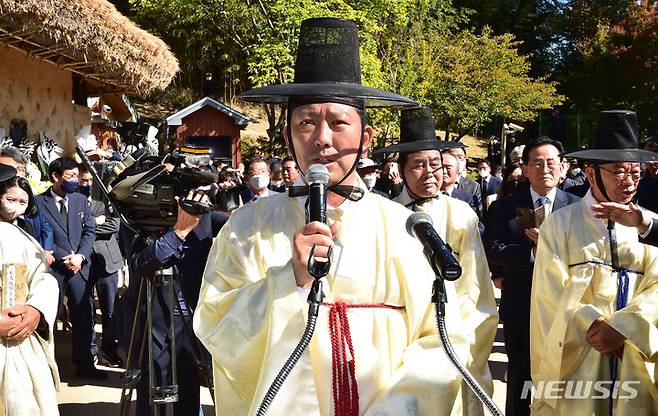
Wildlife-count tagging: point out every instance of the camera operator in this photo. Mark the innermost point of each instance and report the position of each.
(185, 246)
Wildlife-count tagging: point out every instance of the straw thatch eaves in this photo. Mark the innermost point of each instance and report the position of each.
(90, 38)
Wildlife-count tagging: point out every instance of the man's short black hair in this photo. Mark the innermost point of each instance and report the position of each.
(288, 159)
(61, 164)
(541, 141)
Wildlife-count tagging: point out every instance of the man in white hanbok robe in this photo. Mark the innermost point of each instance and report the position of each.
(28, 372)
(473, 331)
(594, 303)
(573, 286)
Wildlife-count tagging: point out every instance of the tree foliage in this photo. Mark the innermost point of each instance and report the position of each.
(616, 58)
(414, 47)
(479, 76)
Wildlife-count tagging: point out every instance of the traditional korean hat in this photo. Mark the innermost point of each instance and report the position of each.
(417, 133)
(327, 68)
(615, 140)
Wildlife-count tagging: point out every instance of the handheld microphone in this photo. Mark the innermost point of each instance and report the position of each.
(438, 253)
(318, 178)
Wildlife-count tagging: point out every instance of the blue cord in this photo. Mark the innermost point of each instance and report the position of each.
(622, 299)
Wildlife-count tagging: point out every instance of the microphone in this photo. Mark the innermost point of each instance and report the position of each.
(318, 178)
(438, 253)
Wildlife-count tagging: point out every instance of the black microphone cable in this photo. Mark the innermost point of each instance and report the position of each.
(443, 263)
(318, 178)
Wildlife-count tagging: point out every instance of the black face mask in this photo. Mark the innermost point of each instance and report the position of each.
(514, 186)
(85, 190)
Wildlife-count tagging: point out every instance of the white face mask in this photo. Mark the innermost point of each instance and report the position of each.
(370, 181)
(575, 171)
(484, 173)
(9, 211)
(259, 181)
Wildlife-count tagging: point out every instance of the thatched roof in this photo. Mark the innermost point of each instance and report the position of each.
(90, 38)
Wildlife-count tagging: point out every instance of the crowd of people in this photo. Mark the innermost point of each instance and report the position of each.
(568, 237)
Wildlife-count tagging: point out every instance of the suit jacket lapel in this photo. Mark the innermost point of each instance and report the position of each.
(560, 200)
(527, 198)
(72, 212)
(51, 205)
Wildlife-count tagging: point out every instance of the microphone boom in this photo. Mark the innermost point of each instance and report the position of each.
(438, 253)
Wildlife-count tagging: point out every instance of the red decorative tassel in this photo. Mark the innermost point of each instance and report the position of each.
(344, 386)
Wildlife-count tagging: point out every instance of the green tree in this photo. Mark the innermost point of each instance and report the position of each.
(468, 79)
(614, 58)
(409, 46)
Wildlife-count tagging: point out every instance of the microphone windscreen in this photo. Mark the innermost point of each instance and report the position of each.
(317, 173)
(416, 218)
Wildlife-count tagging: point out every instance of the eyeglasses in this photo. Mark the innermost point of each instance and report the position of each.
(539, 164)
(69, 176)
(636, 175)
(257, 172)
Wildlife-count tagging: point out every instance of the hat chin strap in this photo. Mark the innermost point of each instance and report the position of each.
(356, 159)
(599, 183)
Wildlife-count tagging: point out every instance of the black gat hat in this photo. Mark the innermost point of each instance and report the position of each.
(417, 132)
(327, 68)
(616, 140)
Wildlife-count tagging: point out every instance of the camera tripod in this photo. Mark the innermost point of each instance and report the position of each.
(163, 396)
(159, 396)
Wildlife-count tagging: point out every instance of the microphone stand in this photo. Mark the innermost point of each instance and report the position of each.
(439, 298)
(318, 270)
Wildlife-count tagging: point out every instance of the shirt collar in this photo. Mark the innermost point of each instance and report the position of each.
(551, 195)
(57, 197)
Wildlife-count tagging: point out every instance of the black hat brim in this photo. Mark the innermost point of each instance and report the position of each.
(372, 97)
(419, 145)
(613, 155)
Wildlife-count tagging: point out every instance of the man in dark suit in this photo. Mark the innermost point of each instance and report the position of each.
(464, 183)
(185, 246)
(106, 261)
(450, 178)
(488, 183)
(511, 248)
(74, 235)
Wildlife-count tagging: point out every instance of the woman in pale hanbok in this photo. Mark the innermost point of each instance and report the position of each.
(28, 303)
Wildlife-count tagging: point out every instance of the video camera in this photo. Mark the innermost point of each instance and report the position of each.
(146, 186)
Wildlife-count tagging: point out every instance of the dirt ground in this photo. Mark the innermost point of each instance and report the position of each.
(82, 398)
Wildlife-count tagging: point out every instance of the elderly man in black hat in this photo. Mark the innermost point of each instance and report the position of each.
(594, 303)
(375, 349)
(473, 329)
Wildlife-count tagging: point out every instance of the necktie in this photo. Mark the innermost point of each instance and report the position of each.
(541, 201)
(64, 213)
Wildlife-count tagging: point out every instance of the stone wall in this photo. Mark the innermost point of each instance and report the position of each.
(41, 94)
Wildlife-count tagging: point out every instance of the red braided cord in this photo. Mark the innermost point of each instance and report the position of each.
(343, 372)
